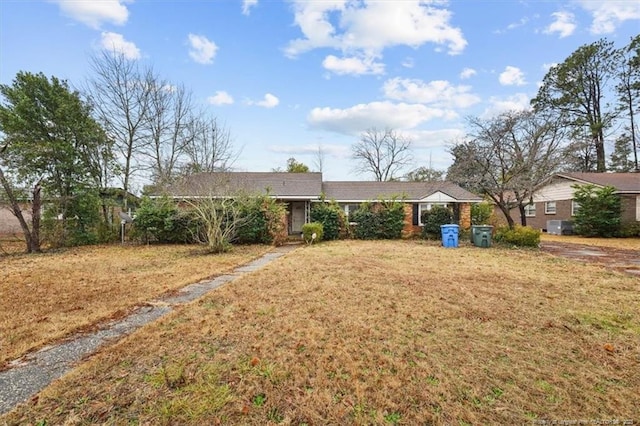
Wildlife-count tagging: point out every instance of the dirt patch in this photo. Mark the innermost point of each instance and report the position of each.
(623, 260)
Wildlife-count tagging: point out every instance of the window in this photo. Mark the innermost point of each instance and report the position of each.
(638, 208)
(349, 209)
(425, 207)
(574, 207)
(530, 210)
(550, 207)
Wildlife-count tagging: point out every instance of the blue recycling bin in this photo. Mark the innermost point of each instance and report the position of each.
(449, 235)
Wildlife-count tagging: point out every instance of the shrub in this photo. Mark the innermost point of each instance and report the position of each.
(599, 212)
(629, 230)
(433, 219)
(521, 236)
(74, 221)
(382, 220)
(481, 213)
(308, 229)
(332, 218)
(160, 220)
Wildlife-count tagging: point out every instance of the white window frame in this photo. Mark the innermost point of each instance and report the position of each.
(548, 209)
(427, 206)
(575, 206)
(638, 208)
(530, 210)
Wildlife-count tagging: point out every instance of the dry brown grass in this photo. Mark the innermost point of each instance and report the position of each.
(617, 243)
(48, 296)
(375, 333)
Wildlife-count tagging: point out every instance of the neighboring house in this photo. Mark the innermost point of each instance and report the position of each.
(300, 190)
(554, 200)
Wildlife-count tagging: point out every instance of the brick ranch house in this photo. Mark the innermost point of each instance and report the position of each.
(301, 190)
(554, 199)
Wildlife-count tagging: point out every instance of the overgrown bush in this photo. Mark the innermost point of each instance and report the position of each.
(332, 218)
(481, 213)
(262, 221)
(433, 219)
(72, 222)
(309, 229)
(381, 220)
(160, 220)
(521, 236)
(599, 212)
(629, 230)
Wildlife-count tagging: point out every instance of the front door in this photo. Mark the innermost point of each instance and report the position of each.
(297, 216)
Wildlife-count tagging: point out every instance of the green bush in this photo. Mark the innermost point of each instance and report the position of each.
(599, 212)
(74, 221)
(629, 230)
(521, 236)
(308, 229)
(161, 221)
(382, 220)
(481, 213)
(262, 221)
(433, 219)
(332, 218)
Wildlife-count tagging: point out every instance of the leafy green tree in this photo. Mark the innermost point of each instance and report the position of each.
(425, 174)
(599, 212)
(620, 160)
(628, 89)
(50, 141)
(294, 166)
(574, 90)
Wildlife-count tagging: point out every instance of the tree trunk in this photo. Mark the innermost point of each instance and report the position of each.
(35, 219)
(504, 208)
(523, 216)
(17, 212)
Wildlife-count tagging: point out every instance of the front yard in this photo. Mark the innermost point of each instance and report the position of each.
(382, 332)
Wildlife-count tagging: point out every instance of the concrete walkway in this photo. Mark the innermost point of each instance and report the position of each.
(28, 375)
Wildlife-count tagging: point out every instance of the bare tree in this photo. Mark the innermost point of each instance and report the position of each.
(210, 149)
(508, 157)
(382, 153)
(319, 159)
(121, 94)
(170, 127)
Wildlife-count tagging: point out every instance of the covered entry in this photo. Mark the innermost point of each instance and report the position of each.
(299, 212)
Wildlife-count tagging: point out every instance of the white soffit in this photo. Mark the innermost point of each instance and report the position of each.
(438, 197)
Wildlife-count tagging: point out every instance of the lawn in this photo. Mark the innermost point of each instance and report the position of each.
(382, 332)
(616, 243)
(48, 296)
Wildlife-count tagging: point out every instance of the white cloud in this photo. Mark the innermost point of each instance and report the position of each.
(331, 150)
(220, 98)
(352, 121)
(202, 50)
(564, 24)
(368, 27)
(512, 26)
(512, 76)
(247, 5)
(608, 14)
(438, 92)
(433, 138)
(497, 105)
(269, 101)
(467, 73)
(409, 62)
(352, 65)
(95, 13)
(115, 43)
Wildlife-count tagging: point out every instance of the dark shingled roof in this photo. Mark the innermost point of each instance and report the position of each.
(623, 182)
(277, 184)
(410, 191)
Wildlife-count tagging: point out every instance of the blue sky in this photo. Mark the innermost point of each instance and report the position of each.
(289, 76)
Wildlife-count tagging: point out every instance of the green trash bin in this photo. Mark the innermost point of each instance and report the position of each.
(481, 235)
